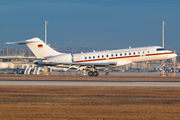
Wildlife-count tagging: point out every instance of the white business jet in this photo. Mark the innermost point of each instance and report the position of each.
(93, 61)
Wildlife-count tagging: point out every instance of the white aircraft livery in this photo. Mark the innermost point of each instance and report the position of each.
(93, 61)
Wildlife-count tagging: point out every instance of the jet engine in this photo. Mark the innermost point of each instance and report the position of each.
(61, 58)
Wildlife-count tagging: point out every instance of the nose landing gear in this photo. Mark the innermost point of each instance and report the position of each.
(93, 73)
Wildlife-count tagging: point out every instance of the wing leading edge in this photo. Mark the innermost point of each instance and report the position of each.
(66, 63)
(87, 65)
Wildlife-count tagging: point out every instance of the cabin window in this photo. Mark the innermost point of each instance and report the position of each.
(134, 53)
(98, 56)
(102, 56)
(106, 55)
(89, 57)
(116, 54)
(147, 51)
(143, 52)
(160, 49)
(93, 57)
(85, 57)
(125, 54)
(138, 52)
(120, 54)
(129, 53)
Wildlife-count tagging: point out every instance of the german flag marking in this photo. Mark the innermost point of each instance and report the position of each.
(40, 46)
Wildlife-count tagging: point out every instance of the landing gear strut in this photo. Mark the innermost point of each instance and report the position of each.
(91, 73)
(163, 67)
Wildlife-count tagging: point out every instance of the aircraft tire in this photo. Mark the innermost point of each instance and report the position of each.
(163, 67)
(95, 73)
(90, 73)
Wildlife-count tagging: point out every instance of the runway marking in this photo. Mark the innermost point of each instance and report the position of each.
(89, 83)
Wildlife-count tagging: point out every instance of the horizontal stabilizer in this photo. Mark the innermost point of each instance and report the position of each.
(21, 42)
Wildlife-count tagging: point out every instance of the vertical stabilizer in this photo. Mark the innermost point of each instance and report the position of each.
(38, 47)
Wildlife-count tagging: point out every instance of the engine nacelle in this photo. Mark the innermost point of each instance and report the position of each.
(61, 58)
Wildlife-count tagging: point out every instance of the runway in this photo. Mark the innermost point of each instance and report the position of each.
(87, 83)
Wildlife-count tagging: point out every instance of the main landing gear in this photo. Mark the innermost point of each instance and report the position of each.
(93, 73)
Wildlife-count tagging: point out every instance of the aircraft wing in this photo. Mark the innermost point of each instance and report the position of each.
(78, 64)
(85, 65)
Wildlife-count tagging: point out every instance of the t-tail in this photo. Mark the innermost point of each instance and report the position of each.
(38, 47)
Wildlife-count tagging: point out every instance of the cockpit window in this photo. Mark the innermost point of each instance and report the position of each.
(161, 49)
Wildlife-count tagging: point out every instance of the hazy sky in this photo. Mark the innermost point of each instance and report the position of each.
(108, 23)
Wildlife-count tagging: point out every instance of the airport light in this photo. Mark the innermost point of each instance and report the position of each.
(46, 23)
(174, 64)
(163, 24)
(7, 51)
